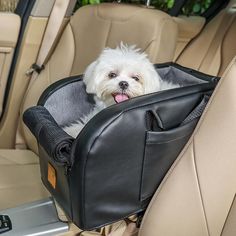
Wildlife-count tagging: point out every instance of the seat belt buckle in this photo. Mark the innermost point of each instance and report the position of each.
(34, 68)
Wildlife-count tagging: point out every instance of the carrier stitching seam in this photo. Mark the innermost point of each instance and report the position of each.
(180, 96)
(142, 170)
(199, 188)
(153, 142)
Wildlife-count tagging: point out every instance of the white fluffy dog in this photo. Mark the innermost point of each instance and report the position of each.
(116, 76)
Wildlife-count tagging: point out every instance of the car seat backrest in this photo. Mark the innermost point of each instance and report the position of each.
(197, 196)
(94, 27)
(214, 48)
(109, 24)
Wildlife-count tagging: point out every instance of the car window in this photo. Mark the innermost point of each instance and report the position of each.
(8, 5)
(163, 5)
(191, 7)
(196, 7)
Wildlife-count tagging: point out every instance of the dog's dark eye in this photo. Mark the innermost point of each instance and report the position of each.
(135, 78)
(112, 75)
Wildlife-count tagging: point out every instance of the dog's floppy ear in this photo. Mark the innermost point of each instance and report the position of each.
(89, 76)
(152, 82)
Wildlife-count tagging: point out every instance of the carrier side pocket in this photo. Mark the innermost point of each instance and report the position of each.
(161, 150)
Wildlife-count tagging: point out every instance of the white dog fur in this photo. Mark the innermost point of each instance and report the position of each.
(117, 75)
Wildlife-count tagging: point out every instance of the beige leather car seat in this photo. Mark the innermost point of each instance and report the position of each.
(213, 49)
(197, 196)
(90, 30)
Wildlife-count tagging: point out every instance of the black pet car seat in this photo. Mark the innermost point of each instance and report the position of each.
(113, 167)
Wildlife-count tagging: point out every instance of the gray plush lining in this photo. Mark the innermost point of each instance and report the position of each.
(71, 102)
(177, 76)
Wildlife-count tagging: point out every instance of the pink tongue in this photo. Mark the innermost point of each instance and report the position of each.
(120, 98)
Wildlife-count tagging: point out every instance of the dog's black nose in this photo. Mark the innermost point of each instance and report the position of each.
(123, 85)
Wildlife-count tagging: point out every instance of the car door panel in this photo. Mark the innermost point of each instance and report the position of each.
(9, 31)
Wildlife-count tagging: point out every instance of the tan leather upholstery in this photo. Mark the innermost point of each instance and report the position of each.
(20, 178)
(94, 27)
(9, 30)
(27, 54)
(230, 226)
(201, 55)
(189, 27)
(197, 195)
(109, 24)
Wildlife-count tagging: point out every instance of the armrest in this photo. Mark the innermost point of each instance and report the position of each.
(52, 138)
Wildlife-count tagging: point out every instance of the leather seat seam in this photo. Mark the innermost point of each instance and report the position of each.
(157, 34)
(74, 40)
(222, 42)
(7, 159)
(208, 49)
(199, 187)
(18, 164)
(149, 44)
(19, 186)
(108, 32)
(234, 199)
(12, 162)
(190, 42)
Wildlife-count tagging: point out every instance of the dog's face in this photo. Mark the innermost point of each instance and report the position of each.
(119, 74)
